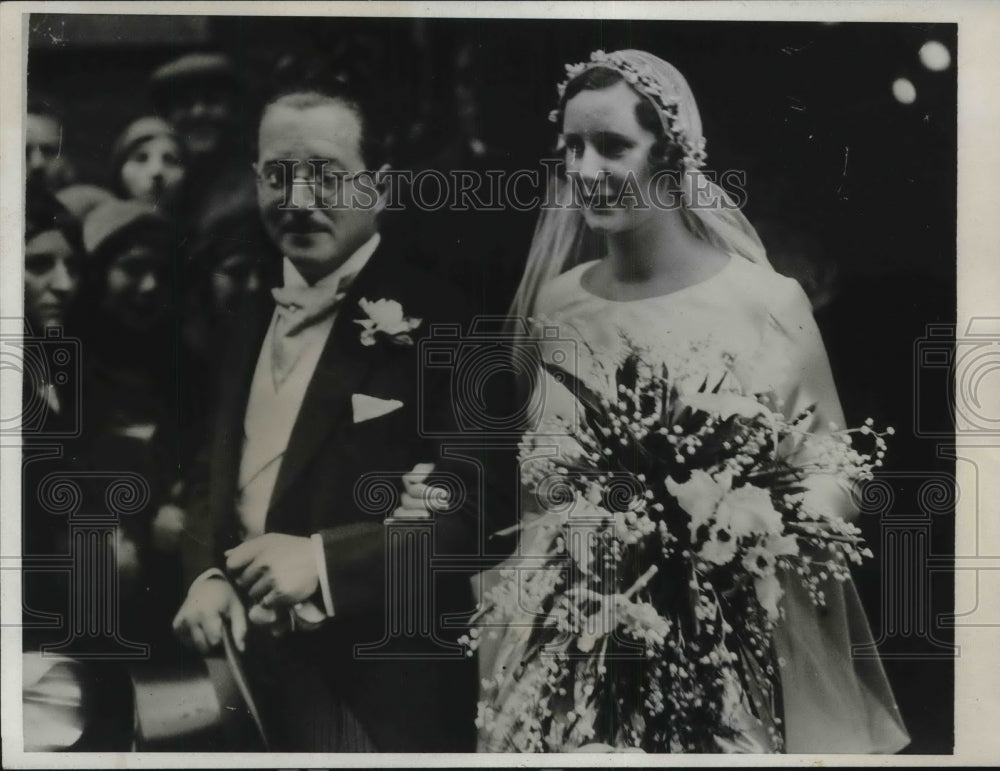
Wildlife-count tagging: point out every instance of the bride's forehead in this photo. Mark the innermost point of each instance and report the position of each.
(605, 108)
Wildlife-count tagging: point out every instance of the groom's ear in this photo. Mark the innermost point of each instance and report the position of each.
(382, 178)
(383, 187)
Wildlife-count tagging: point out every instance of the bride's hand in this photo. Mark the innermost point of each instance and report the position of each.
(420, 501)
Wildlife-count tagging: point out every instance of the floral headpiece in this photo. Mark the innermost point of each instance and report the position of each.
(643, 80)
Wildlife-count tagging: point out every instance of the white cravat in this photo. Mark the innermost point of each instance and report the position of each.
(273, 407)
(300, 308)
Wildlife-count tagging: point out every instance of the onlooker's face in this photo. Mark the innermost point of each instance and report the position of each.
(43, 151)
(154, 172)
(51, 279)
(135, 291)
(235, 277)
(202, 115)
(316, 238)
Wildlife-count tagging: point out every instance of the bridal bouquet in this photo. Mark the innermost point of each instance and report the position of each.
(645, 620)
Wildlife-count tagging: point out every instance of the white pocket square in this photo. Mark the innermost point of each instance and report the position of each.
(367, 407)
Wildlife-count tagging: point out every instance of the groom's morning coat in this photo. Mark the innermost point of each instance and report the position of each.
(414, 695)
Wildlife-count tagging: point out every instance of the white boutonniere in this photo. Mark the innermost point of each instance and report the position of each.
(386, 317)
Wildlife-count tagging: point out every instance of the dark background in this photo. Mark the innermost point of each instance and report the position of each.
(844, 183)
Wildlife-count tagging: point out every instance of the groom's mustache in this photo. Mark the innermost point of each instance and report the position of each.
(302, 221)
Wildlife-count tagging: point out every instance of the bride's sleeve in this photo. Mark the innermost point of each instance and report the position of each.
(807, 382)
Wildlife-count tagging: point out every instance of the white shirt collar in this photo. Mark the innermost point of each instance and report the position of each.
(292, 278)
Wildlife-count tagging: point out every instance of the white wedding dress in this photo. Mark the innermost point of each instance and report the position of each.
(760, 323)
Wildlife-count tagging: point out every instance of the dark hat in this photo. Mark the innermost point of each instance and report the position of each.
(192, 68)
(110, 220)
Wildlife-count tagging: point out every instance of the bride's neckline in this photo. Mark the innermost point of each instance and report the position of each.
(588, 267)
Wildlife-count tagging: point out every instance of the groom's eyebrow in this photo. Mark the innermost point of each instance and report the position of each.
(324, 162)
(319, 163)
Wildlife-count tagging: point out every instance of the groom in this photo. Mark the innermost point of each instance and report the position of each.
(321, 395)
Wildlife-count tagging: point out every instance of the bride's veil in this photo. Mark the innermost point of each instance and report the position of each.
(561, 238)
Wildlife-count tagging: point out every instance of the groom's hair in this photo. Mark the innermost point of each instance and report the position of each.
(306, 83)
(663, 154)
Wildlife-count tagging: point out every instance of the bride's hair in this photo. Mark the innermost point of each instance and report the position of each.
(663, 154)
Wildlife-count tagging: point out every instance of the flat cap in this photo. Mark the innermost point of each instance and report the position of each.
(196, 66)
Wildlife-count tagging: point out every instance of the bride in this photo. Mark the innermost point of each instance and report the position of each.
(671, 279)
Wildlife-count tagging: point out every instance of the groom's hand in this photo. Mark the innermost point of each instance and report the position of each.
(276, 570)
(419, 500)
(209, 604)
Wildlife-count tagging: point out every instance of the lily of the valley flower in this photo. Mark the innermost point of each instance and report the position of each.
(386, 316)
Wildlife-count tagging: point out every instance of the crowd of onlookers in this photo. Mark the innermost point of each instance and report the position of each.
(148, 272)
